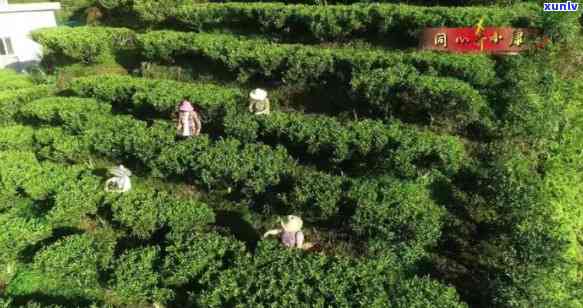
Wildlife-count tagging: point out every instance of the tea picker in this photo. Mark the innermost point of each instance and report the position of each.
(291, 233)
(120, 183)
(188, 121)
(258, 102)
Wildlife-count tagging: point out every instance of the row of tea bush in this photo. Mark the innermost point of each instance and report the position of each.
(336, 22)
(253, 169)
(393, 147)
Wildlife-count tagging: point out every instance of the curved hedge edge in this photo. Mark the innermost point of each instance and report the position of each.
(393, 148)
(336, 21)
(158, 96)
(11, 80)
(11, 100)
(397, 92)
(84, 44)
(249, 57)
(301, 64)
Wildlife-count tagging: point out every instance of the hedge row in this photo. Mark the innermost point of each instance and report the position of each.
(340, 22)
(395, 89)
(10, 100)
(160, 97)
(301, 64)
(399, 91)
(256, 57)
(11, 80)
(314, 195)
(393, 148)
(274, 277)
(83, 44)
(134, 277)
(332, 22)
(399, 146)
(253, 169)
(228, 161)
(224, 274)
(355, 71)
(115, 4)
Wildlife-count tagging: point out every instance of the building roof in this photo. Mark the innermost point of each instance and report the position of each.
(29, 7)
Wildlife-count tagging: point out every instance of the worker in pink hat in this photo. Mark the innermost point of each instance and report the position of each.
(188, 120)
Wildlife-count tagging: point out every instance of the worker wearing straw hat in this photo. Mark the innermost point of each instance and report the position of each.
(291, 233)
(259, 103)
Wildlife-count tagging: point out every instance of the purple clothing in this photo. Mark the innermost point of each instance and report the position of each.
(291, 239)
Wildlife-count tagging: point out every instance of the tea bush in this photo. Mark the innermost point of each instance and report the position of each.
(539, 228)
(226, 162)
(522, 112)
(74, 201)
(17, 168)
(83, 44)
(192, 257)
(338, 22)
(55, 144)
(394, 91)
(254, 166)
(57, 199)
(275, 276)
(18, 233)
(294, 63)
(57, 178)
(253, 169)
(114, 4)
(315, 194)
(325, 21)
(17, 136)
(11, 80)
(58, 111)
(159, 96)
(412, 227)
(396, 217)
(359, 71)
(144, 212)
(137, 280)
(11, 100)
(74, 256)
(388, 148)
(447, 97)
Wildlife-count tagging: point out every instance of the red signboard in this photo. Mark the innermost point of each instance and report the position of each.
(503, 40)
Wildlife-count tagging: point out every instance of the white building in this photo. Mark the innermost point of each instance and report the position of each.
(17, 49)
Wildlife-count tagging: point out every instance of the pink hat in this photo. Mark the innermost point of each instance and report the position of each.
(186, 106)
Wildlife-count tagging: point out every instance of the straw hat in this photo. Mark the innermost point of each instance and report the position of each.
(120, 171)
(186, 106)
(293, 224)
(258, 94)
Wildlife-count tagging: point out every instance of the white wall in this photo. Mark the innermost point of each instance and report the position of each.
(17, 21)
